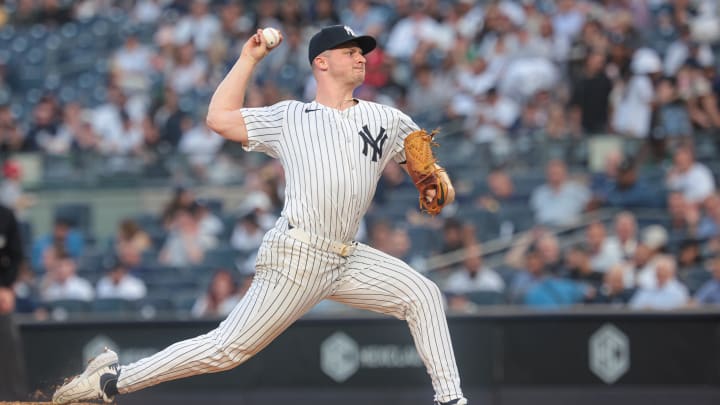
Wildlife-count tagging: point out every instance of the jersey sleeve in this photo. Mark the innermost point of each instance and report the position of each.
(265, 128)
(404, 127)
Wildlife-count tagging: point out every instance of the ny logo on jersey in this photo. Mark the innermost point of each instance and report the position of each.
(376, 143)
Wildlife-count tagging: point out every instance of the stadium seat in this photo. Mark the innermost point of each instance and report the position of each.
(485, 297)
(112, 305)
(70, 306)
(80, 214)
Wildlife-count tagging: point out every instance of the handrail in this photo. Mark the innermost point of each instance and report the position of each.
(495, 246)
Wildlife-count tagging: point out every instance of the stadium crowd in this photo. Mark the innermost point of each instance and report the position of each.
(508, 77)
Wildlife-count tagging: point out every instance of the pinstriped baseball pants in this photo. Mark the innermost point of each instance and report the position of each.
(291, 277)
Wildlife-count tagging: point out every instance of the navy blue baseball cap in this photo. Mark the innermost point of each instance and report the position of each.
(335, 35)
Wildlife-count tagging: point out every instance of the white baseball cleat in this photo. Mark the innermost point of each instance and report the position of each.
(91, 383)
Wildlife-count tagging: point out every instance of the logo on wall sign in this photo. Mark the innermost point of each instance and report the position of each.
(376, 143)
(609, 353)
(96, 345)
(341, 357)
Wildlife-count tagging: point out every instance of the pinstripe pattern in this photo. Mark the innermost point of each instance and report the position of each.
(330, 184)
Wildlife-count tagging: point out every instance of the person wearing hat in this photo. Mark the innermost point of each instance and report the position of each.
(333, 150)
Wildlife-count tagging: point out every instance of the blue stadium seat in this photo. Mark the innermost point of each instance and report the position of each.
(80, 214)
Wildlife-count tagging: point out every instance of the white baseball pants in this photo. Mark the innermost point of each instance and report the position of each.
(291, 277)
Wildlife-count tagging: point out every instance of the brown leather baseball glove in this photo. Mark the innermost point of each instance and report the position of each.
(435, 188)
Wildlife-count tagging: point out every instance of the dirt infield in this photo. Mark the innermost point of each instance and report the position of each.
(40, 403)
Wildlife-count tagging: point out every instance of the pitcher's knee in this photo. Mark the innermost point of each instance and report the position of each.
(429, 295)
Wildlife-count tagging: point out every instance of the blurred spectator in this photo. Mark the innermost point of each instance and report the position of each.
(501, 192)
(62, 235)
(613, 290)
(693, 179)
(247, 234)
(590, 97)
(430, 94)
(363, 17)
(691, 271)
(11, 136)
(709, 293)
(76, 130)
(168, 118)
(221, 297)
(530, 273)
(578, 266)
(682, 215)
(671, 116)
(399, 244)
(12, 194)
(603, 253)
(182, 198)
(208, 223)
(324, 13)
(199, 27)
(119, 284)
(696, 90)
(201, 146)
(632, 114)
(44, 134)
(259, 203)
(559, 201)
(668, 293)
(189, 70)
(708, 225)
(128, 140)
(185, 244)
(107, 119)
(554, 292)
(630, 190)
(473, 275)
(61, 282)
(147, 11)
(412, 31)
(602, 182)
(131, 242)
(131, 64)
(654, 241)
(625, 236)
(492, 118)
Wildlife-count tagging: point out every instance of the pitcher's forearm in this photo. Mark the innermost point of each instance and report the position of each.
(230, 93)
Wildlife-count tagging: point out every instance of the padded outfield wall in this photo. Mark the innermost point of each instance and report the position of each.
(505, 358)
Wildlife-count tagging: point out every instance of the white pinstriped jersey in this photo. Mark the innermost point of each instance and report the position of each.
(333, 159)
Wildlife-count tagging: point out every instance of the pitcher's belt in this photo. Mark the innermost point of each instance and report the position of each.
(339, 248)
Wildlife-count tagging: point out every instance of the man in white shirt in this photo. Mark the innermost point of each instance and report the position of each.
(200, 27)
(473, 276)
(693, 179)
(119, 284)
(559, 201)
(62, 282)
(669, 293)
(603, 253)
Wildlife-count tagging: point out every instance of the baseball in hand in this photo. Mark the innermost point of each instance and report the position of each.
(271, 37)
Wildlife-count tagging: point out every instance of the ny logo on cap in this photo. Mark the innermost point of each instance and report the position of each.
(349, 31)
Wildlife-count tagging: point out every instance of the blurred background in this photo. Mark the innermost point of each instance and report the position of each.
(583, 250)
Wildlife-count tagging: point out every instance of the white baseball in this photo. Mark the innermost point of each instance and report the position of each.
(271, 37)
